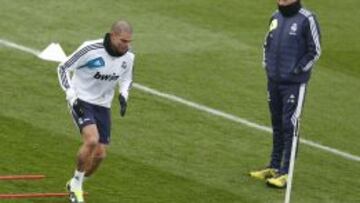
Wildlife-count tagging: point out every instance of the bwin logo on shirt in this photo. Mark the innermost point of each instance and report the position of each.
(106, 77)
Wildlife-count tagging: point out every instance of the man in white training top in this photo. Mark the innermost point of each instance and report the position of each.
(97, 67)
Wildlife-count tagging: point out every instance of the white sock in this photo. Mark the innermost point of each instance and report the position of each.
(77, 180)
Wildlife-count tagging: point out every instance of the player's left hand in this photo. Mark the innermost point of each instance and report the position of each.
(70, 96)
(123, 105)
(297, 70)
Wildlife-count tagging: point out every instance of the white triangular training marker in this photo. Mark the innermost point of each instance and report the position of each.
(53, 52)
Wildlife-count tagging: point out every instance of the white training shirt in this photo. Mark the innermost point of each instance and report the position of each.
(96, 73)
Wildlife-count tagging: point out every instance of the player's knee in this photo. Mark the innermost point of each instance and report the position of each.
(91, 142)
(90, 136)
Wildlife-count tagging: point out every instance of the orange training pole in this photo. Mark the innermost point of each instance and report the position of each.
(22, 177)
(34, 195)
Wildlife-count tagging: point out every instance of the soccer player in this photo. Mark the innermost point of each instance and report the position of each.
(97, 67)
(291, 48)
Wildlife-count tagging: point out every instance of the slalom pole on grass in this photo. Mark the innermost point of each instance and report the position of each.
(22, 177)
(35, 195)
(295, 140)
(292, 162)
(30, 195)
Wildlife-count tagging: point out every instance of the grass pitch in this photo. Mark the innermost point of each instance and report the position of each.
(206, 51)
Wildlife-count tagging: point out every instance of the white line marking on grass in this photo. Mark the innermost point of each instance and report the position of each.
(19, 47)
(202, 108)
(205, 109)
(240, 120)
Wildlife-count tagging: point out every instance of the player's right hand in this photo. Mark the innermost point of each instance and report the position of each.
(74, 102)
(71, 96)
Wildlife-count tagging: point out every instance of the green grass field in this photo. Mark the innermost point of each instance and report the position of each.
(205, 51)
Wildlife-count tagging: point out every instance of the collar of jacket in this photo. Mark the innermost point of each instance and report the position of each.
(108, 48)
(290, 10)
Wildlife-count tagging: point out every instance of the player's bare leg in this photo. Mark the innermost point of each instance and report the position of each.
(98, 156)
(87, 150)
(85, 155)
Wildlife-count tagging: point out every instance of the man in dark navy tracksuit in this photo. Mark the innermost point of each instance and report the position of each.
(291, 48)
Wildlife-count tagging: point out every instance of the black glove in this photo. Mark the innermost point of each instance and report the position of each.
(77, 107)
(123, 105)
(297, 70)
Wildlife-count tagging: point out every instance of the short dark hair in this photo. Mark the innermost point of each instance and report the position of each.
(121, 26)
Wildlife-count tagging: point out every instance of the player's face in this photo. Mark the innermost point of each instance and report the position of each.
(285, 2)
(121, 41)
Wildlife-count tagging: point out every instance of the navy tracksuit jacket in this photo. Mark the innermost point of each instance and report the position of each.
(291, 48)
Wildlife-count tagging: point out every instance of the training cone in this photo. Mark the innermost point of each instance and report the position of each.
(53, 52)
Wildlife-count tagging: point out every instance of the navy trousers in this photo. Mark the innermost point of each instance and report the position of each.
(285, 103)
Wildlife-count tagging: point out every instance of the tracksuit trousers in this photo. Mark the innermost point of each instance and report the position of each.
(285, 103)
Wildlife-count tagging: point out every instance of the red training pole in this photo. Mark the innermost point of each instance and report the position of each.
(22, 177)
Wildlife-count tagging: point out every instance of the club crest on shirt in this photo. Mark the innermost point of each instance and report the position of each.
(124, 65)
(293, 29)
